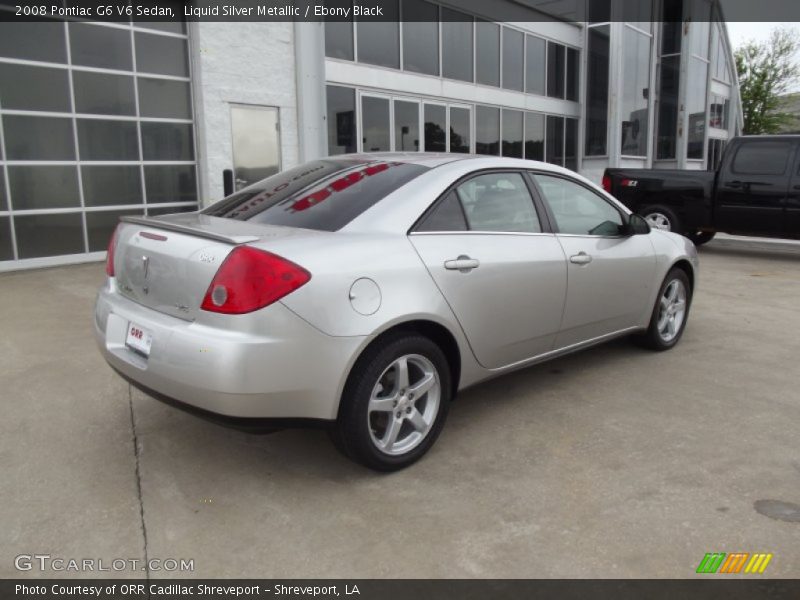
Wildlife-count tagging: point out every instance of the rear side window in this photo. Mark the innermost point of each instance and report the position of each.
(499, 202)
(324, 195)
(762, 158)
(447, 216)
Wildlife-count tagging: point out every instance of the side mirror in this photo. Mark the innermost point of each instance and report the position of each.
(637, 225)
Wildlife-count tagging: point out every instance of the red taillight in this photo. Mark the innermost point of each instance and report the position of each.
(250, 279)
(112, 246)
(607, 183)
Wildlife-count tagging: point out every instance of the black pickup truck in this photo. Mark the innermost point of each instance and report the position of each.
(755, 191)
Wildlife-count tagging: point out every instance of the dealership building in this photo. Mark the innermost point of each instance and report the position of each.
(100, 120)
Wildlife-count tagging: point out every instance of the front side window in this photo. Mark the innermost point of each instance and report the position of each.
(498, 202)
(762, 158)
(578, 210)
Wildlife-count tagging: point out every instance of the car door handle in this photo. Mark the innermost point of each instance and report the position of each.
(734, 184)
(581, 258)
(463, 263)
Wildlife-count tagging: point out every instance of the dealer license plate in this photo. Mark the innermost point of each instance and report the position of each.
(139, 339)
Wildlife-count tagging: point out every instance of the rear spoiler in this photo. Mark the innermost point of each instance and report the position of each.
(195, 231)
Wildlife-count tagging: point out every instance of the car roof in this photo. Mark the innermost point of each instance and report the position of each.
(437, 159)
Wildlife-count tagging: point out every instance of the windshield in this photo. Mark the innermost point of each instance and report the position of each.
(324, 195)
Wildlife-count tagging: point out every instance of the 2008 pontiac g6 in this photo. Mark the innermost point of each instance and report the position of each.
(365, 290)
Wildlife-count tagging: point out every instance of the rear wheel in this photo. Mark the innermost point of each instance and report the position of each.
(395, 403)
(661, 217)
(670, 312)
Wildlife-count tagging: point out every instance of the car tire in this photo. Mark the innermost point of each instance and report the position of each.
(701, 237)
(669, 316)
(661, 217)
(383, 423)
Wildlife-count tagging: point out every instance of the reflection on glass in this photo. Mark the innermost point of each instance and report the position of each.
(104, 94)
(38, 138)
(534, 136)
(487, 52)
(406, 126)
(573, 74)
(93, 45)
(459, 129)
(40, 40)
(175, 183)
(164, 99)
(535, 64)
(668, 107)
(487, 130)
(110, 185)
(420, 37)
(161, 54)
(512, 133)
(256, 147)
(339, 34)
(555, 70)
(49, 235)
(571, 144)
(555, 140)
(635, 92)
(513, 58)
(696, 107)
(33, 88)
(379, 41)
(597, 91)
(435, 128)
(108, 140)
(375, 124)
(341, 119)
(6, 247)
(100, 226)
(43, 187)
(456, 45)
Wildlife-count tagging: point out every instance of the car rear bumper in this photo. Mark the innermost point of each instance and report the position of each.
(268, 364)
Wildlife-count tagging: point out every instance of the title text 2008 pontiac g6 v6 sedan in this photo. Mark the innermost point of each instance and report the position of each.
(365, 290)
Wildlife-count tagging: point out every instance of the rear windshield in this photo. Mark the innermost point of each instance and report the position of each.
(324, 195)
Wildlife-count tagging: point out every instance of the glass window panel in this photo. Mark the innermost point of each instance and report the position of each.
(100, 226)
(406, 126)
(671, 26)
(39, 40)
(420, 37)
(34, 88)
(487, 52)
(578, 210)
(762, 158)
(597, 91)
(535, 65)
(555, 140)
(667, 123)
(109, 186)
(168, 26)
(573, 73)
(699, 32)
(487, 130)
(571, 144)
(456, 45)
(49, 235)
(499, 202)
(379, 41)
(3, 204)
(512, 133)
(107, 140)
(638, 13)
(534, 136)
(555, 70)
(696, 107)
(341, 119)
(339, 38)
(161, 54)
(6, 246)
(599, 11)
(38, 138)
(447, 216)
(459, 129)
(513, 59)
(635, 93)
(103, 94)
(164, 99)
(175, 183)
(435, 128)
(43, 187)
(93, 45)
(167, 141)
(375, 124)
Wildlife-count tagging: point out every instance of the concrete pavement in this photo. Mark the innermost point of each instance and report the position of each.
(615, 462)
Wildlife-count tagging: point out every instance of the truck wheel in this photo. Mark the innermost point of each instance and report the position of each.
(669, 313)
(395, 404)
(661, 217)
(701, 237)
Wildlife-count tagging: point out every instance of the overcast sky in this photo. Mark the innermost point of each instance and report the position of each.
(742, 32)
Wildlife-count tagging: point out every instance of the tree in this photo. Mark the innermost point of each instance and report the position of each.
(766, 71)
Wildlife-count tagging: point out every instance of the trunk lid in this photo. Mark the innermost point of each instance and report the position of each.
(168, 263)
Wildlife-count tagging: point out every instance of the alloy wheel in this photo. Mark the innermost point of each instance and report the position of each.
(658, 220)
(672, 310)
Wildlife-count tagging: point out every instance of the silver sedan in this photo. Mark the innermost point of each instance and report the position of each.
(363, 291)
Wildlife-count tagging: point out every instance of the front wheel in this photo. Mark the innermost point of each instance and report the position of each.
(670, 312)
(395, 403)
